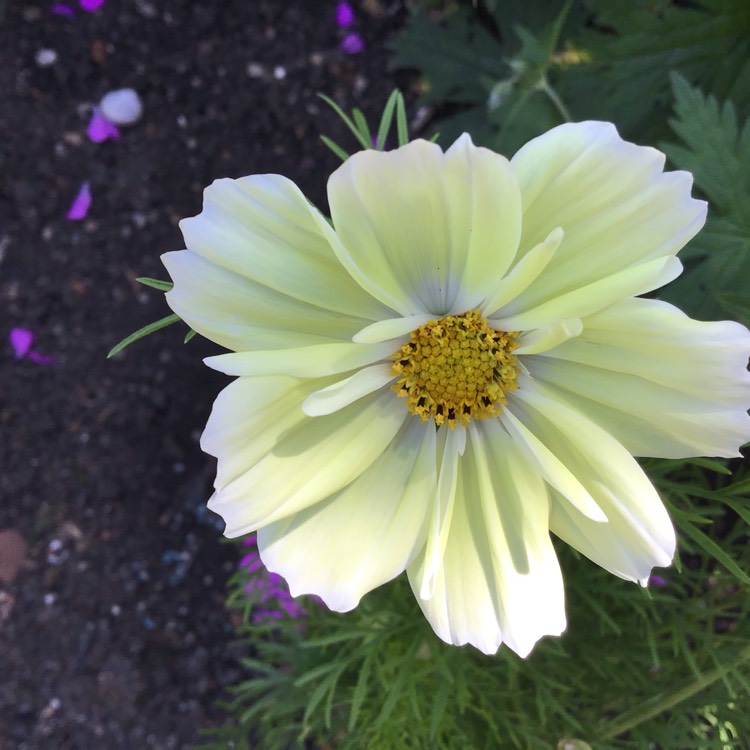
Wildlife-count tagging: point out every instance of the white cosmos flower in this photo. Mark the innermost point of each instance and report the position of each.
(456, 367)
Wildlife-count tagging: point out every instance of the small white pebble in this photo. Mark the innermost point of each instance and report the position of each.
(115, 610)
(279, 72)
(45, 57)
(49, 599)
(255, 70)
(122, 107)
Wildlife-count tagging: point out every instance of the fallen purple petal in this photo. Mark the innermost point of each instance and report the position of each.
(80, 206)
(352, 44)
(40, 359)
(62, 9)
(21, 340)
(344, 15)
(90, 5)
(100, 128)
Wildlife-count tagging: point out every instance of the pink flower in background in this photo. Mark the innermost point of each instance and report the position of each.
(21, 340)
(269, 588)
(344, 15)
(352, 44)
(80, 206)
(100, 128)
(90, 5)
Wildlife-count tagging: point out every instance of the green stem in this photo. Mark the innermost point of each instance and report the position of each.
(672, 699)
(554, 97)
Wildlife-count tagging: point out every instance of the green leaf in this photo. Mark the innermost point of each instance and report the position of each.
(361, 123)
(710, 546)
(366, 143)
(402, 126)
(145, 331)
(162, 286)
(386, 119)
(335, 147)
(189, 335)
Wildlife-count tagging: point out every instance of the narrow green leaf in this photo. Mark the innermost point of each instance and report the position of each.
(347, 120)
(712, 465)
(360, 689)
(402, 126)
(335, 148)
(189, 335)
(145, 331)
(386, 119)
(710, 546)
(361, 123)
(162, 286)
(739, 488)
(438, 710)
(740, 510)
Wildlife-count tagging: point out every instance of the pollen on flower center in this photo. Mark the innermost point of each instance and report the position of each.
(455, 369)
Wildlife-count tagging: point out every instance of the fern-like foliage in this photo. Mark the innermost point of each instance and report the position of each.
(715, 146)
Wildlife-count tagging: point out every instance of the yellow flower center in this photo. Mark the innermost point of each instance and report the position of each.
(456, 368)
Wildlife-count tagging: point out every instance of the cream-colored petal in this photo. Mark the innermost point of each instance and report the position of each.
(241, 314)
(303, 362)
(549, 466)
(344, 392)
(363, 535)
(609, 473)
(661, 383)
(386, 330)
(593, 297)
(499, 580)
(616, 205)
(305, 463)
(249, 416)
(263, 228)
(452, 445)
(543, 339)
(423, 231)
(524, 272)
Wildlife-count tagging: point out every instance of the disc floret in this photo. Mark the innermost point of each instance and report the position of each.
(455, 369)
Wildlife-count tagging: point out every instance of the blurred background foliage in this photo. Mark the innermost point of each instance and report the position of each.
(667, 668)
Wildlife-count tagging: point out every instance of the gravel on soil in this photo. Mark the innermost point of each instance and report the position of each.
(113, 631)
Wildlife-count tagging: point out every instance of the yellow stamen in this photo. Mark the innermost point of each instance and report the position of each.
(456, 368)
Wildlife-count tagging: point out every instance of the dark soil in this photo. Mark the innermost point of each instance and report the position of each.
(113, 631)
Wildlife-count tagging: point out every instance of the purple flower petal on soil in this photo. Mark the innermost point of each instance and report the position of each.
(21, 340)
(344, 15)
(40, 359)
(80, 206)
(90, 5)
(100, 128)
(352, 44)
(62, 9)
